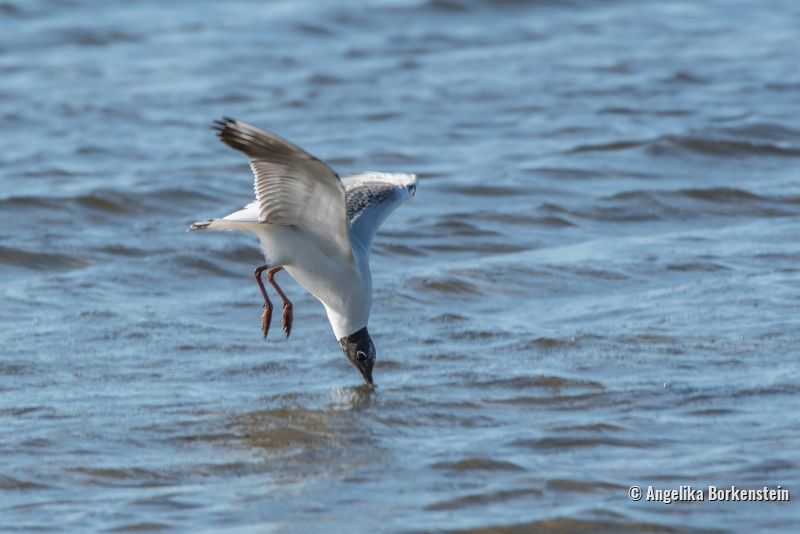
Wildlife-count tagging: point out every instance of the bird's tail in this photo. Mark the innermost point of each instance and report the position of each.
(216, 224)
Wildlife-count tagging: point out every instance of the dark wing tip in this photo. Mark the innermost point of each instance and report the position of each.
(220, 125)
(230, 132)
(260, 144)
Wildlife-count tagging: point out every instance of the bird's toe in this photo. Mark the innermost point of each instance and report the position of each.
(288, 317)
(266, 319)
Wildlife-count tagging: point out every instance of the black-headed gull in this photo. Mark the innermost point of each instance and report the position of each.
(316, 226)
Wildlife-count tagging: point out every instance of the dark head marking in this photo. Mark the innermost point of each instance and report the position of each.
(360, 352)
(359, 197)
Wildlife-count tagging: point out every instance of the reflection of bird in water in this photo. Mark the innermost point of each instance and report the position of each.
(316, 226)
(351, 398)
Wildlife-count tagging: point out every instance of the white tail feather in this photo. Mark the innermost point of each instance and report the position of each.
(220, 225)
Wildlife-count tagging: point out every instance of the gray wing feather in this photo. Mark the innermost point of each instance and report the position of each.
(359, 198)
(371, 197)
(292, 187)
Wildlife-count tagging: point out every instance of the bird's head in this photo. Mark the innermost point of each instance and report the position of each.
(360, 351)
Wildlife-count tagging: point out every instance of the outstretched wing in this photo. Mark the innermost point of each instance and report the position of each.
(293, 188)
(371, 197)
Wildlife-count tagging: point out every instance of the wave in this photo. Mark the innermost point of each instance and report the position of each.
(485, 499)
(11, 9)
(465, 6)
(455, 227)
(721, 147)
(309, 28)
(720, 194)
(756, 139)
(484, 248)
(15, 484)
(570, 525)
(522, 219)
(16, 257)
(390, 249)
(112, 201)
(98, 37)
(478, 464)
(182, 263)
(607, 147)
(624, 110)
(487, 190)
(561, 443)
(541, 382)
(447, 286)
(681, 204)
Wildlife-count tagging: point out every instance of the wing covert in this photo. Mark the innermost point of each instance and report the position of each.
(371, 197)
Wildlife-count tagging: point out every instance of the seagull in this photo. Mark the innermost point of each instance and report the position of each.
(316, 226)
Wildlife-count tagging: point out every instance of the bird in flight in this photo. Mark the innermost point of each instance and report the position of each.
(316, 226)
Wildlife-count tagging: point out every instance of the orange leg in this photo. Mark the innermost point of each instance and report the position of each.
(266, 317)
(288, 308)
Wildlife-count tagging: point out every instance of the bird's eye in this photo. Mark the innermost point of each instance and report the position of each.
(361, 355)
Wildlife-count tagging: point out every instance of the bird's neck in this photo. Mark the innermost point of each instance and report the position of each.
(345, 324)
(349, 312)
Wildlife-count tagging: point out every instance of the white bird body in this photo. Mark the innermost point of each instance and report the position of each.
(316, 226)
(343, 286)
